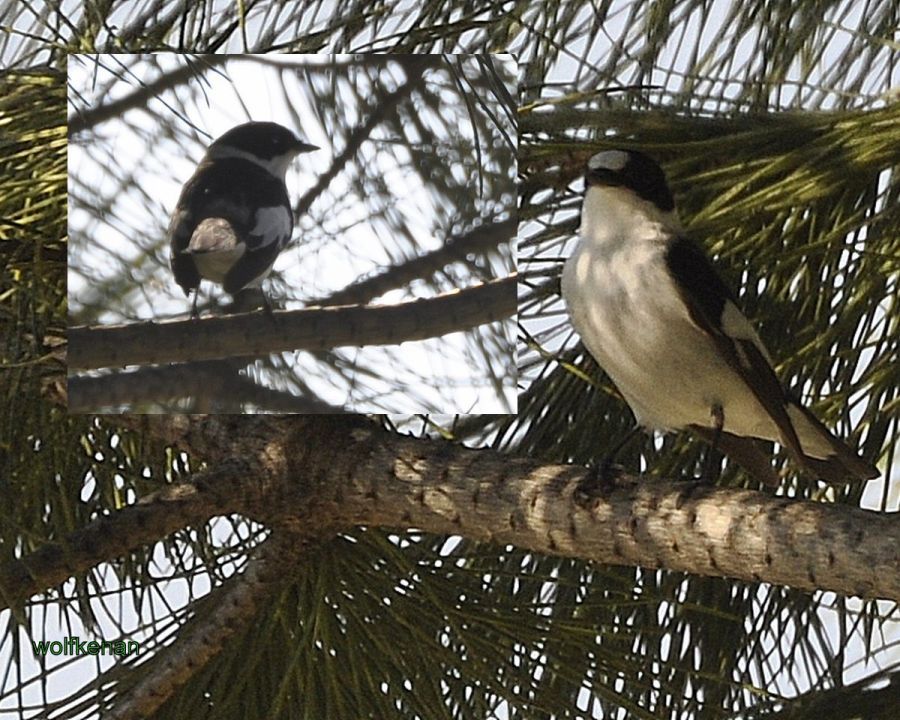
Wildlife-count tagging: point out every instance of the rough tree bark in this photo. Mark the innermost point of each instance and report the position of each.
(308, 478)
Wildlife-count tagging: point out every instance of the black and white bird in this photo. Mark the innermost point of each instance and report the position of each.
(234, 216)
(654, 314)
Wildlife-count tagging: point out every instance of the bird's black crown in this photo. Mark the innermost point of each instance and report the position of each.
(265, 140)
(633, 170)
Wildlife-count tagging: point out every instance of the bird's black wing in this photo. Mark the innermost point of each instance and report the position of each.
(713, 309)
(232, 189)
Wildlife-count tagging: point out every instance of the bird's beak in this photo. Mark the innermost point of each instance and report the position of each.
(303, 147)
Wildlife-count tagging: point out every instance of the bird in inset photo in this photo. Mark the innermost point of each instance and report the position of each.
(234, 216)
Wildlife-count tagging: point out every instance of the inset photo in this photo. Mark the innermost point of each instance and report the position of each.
(292, 234)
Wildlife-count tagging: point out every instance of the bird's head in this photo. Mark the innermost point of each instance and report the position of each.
(268, 144)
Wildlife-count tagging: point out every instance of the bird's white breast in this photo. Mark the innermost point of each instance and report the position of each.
(630, 316)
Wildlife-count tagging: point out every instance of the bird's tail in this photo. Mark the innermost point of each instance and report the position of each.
(824, 454)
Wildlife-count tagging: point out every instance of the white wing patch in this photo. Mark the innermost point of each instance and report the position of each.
(273, 225)
(736, 325)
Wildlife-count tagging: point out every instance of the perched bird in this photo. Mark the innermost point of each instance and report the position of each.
(654, 314)
(234, 215)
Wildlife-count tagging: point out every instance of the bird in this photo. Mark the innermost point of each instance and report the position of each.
(233, 216)
(654, 313)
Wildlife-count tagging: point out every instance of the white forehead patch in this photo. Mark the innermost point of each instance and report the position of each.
(614, 160)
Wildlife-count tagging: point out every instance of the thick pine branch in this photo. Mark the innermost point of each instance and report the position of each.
(214, 383)
(254, 334)
(319, 476)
